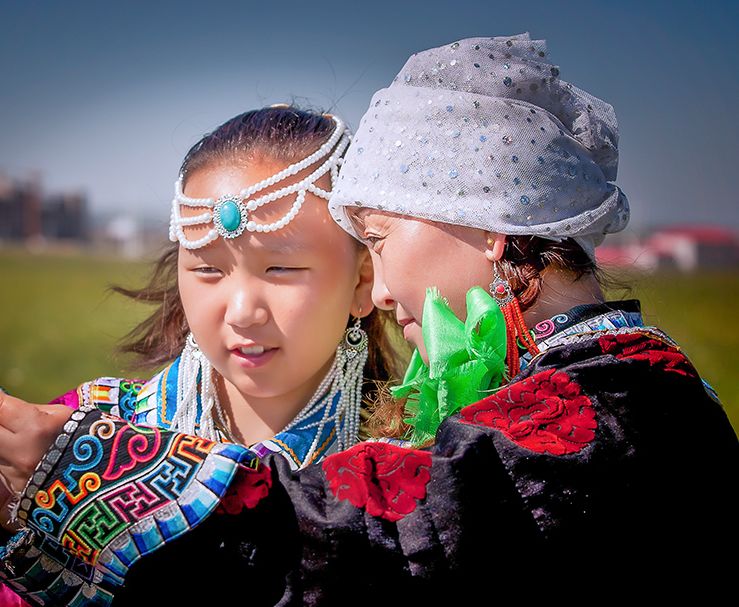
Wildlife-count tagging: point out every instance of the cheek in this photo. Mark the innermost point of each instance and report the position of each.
(317, 308)
(187, 291)
(434, 260)
(406, 272)
(201, 319)
(311, 323)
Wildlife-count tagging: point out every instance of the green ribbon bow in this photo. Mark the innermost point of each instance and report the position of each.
(466, 361)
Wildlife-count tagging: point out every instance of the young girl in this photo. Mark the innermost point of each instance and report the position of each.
(261, 306)
(563, 455)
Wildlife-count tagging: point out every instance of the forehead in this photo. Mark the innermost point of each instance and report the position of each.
(362, 217)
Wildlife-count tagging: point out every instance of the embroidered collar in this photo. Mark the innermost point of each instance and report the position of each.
(466, 359)
(584, 318)
(157, 402)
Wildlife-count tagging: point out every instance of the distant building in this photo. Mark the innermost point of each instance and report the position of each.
(123, 233)
(26, 215)
(684, 248)
(691, 247)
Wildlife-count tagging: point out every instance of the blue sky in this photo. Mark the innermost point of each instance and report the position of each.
(106, 97)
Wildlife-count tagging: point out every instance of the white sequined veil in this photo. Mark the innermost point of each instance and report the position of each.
(484, 133)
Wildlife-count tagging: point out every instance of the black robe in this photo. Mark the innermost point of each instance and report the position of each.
(605, 461)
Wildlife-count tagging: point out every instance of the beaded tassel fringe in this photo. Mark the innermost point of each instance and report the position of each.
(196, 371)
(344, 380)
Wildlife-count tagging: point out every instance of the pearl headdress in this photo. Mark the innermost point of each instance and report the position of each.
(230, 214)
(484, 133)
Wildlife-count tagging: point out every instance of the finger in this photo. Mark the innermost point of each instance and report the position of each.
(12, 479)
(7, 445)
(43, 408)
(54, 409)
(6, 489)
(15, 456)
(16, 414)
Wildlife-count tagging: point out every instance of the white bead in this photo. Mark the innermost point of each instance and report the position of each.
(331, 151)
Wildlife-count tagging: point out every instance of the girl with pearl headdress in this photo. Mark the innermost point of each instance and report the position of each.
(268, 338)
(542, 432)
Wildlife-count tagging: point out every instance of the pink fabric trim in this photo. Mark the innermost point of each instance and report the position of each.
(70, 399)
(8, 598)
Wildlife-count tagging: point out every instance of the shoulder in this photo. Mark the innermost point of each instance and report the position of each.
(621, 377)
(611, 424)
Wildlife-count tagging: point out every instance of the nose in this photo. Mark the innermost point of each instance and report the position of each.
(245, 308)
(381, 296)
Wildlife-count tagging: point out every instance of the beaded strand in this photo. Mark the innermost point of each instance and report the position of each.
(336, 145)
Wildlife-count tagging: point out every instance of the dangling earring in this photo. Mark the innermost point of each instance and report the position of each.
(344, 380)
(351, 357)
(516, 328)
(195, 370)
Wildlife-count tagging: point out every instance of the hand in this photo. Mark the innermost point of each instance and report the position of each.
(26, 433)
(7, 502)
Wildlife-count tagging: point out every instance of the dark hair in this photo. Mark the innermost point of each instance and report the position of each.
(282, 133)
(523, 261)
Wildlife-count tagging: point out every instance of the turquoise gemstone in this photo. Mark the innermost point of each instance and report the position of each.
(230, 216)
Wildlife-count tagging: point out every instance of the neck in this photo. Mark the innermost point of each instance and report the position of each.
(252, 419)
(560, 292)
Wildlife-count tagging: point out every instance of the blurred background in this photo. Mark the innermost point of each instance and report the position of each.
(100, 101)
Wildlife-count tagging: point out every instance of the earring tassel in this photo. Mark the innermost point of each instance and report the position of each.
(516, 328)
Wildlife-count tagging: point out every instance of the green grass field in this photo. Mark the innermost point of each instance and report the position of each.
(59, 325)
(58, 322)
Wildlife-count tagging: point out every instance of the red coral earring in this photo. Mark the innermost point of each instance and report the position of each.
(516, 329)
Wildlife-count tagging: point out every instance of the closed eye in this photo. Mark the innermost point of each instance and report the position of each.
(283, 269)
(207, 271)
(372, 241)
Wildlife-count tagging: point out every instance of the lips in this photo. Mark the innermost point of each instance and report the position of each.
(253, 355)
(252, 350)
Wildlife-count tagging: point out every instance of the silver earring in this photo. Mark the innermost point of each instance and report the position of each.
(355, 339)
(342, 385)
(351, 357)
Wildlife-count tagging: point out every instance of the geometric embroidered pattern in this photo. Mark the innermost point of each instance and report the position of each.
(120, 491)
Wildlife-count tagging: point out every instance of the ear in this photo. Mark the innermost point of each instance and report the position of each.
(362, 303)
(495, 245)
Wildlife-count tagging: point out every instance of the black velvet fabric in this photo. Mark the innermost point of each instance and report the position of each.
(652, 498)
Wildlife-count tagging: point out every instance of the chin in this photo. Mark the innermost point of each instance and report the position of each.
(417, 343)
(421, 351)
(258, 390)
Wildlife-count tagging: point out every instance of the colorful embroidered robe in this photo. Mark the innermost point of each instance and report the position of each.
(606, 453)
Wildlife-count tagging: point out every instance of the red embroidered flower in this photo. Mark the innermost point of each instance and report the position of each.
(248, 488)
(638, 346)
(545, 413)
(385, 479)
